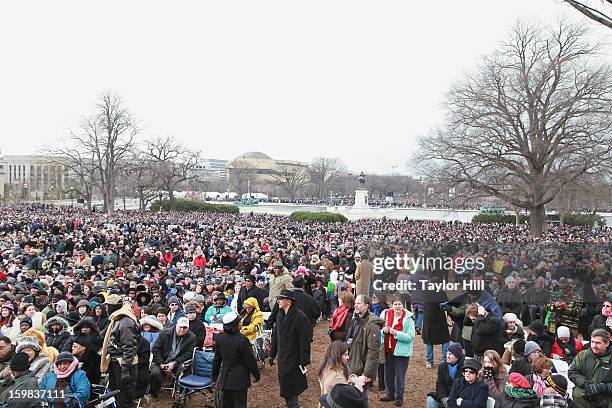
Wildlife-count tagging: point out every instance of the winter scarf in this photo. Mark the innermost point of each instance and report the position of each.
(390, 340)
(339, 317)
(126, 310)
(68, 372)
(519, 393)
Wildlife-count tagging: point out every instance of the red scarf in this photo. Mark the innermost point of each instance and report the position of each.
(389, 338)
(339, 317)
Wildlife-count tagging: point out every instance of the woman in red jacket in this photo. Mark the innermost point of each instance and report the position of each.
(565, 346)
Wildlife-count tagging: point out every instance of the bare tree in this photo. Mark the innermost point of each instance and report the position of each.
(240, 172)
(600, 12)
(106, 137)
(291, 180)
(174, 164)
(142, 177)
(534, 118)
(324, 171)
(81, 169)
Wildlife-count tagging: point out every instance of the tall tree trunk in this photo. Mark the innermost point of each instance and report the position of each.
(517, 216)
(537, 216)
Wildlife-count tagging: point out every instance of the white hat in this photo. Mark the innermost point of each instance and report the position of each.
(510, 317)
(182, 322)
(229, 317)
(357, 255)
(563, 331)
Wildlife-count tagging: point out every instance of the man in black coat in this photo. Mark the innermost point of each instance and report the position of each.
(448, 372)
(233, 363)
(306, 302)
(250, 289)
(172, 348)
(291, 342)
(486, 334)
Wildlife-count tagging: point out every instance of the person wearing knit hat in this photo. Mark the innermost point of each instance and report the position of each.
(518, 392)
(565, 347)
(40, 363)
(66, 375)
(555, 393)
(448, 372)
(539, 334)
(24, 381)
(197, 327)
(468, 387)
(533, 351)
(175, 310)
(25, 324)
(512, 327)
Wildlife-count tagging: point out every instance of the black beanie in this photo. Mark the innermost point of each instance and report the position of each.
(20, 362)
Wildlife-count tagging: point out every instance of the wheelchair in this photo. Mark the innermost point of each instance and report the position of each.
(196, 377)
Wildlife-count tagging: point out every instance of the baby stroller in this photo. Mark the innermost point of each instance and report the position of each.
(262, 346)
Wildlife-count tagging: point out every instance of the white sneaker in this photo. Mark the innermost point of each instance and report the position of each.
(429, 365)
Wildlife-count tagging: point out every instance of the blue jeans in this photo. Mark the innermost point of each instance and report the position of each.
(431, 403)
(430, 352)
(395, 375)
(418, 313)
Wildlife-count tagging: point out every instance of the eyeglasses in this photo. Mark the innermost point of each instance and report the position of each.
(156, 296)
(608, 306)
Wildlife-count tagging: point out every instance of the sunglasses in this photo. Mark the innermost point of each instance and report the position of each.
(173, 304)
(468, 371)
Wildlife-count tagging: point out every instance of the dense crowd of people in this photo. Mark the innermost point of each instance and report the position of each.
(128, 296)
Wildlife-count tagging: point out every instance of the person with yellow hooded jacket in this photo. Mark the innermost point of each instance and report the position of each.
(252, 322)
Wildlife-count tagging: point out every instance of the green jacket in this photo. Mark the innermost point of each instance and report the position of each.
(586, 369)
(365, 346)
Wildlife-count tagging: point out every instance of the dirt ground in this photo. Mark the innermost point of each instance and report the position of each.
(265, 393)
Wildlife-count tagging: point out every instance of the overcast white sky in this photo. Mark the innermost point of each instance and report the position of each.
(358, 80)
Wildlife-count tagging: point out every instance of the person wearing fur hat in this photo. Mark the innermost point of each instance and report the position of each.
(119, 349)
(513, 328)
(51, 352)
(56, 332)
(468, 391)
(65, 379)
(517, 393)
(40, 363)
(86, 327)
(565, 347)
(21, 380)
(448, 372)
(233, 363)
(150, 328)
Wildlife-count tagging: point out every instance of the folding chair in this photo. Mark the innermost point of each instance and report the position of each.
(199, 379)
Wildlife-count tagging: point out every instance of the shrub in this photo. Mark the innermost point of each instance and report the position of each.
(317, 216)
(569, 219)
(199, 206)
(495, 218)
(584, 219)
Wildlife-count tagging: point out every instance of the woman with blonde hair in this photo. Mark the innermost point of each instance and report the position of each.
(493, 373)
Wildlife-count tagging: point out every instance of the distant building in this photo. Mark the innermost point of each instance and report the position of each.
(255, 172)
(32, 178)
(211, 169)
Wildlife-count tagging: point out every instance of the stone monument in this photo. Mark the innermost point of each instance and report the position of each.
(361, 194)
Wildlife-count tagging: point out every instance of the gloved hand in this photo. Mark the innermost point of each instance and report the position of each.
(595, 389)
(445, 402)
(446, 307)
(271, 361)
(488, 372)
